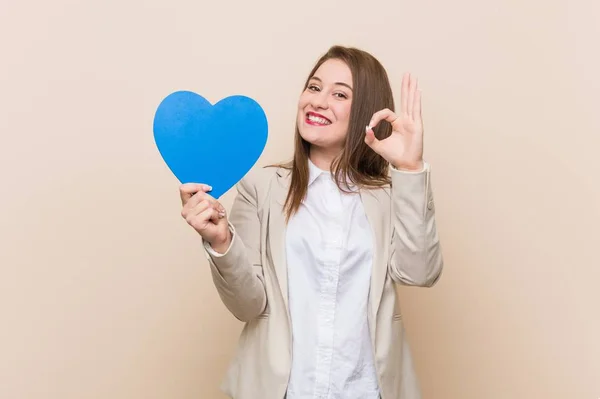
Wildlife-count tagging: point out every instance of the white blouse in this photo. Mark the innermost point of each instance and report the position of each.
(329, 256)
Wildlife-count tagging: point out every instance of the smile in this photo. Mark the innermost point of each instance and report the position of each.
(316, 119)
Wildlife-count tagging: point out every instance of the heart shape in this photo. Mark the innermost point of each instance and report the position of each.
(211, 144)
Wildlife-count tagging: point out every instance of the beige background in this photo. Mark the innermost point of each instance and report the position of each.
(104, 290)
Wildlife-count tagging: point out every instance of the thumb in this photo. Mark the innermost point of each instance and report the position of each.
(371, 140)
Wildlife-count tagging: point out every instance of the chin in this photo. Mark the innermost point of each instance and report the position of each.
(318, 136)
(318, 141)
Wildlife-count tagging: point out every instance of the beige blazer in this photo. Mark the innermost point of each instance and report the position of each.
(251, 279)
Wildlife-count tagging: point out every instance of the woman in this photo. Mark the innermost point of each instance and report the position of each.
(310, 253)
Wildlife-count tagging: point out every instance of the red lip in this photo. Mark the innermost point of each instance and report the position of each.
(315, 114)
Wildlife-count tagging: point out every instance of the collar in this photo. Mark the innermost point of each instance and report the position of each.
(314, 172)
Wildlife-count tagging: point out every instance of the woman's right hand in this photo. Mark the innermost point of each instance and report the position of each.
(206, 215)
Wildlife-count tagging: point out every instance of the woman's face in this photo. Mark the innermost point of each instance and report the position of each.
(324, 107)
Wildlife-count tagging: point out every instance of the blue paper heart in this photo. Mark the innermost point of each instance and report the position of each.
(211, 144)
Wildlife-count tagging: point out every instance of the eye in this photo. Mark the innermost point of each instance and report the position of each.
(341, 95)
(313, 88)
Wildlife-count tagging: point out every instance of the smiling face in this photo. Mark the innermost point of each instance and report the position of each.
(346, 86)
(324, 106)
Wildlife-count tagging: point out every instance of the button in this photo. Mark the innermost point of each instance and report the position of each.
(430, 205)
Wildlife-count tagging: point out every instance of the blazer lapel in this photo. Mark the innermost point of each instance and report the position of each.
(277, 228)
(376, 204)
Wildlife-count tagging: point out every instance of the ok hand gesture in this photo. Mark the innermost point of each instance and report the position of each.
(404, 147)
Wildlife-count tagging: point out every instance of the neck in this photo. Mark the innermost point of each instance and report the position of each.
(322, 158)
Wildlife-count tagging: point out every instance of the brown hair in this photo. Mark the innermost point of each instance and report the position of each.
(357, 163)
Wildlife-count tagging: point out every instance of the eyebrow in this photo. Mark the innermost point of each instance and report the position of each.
(337, 83)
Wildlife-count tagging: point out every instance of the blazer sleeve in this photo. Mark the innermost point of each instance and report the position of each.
(237, 273)
(416, 255)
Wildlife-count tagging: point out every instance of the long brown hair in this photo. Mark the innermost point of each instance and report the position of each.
(357, 163)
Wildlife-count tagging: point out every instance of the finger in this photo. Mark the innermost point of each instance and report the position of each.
(190, 211)
(204, 215)
(211, 215)
(207, 201)
(417, 109)
(198, 197)
(201, 220)
(187, 190)
(200, 207)
(404, 94)
(385, 114)
(412, 88)
(215, 204)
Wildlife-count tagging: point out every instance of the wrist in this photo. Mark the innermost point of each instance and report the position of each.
(409, 167)
(221, 245)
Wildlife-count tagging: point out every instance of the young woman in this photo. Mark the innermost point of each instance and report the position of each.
(311, 251)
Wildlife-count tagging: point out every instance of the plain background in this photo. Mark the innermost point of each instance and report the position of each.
(104, 290)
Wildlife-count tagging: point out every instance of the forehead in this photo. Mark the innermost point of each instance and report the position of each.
(334, 70)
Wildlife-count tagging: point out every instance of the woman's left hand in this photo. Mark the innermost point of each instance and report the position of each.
(404, 147)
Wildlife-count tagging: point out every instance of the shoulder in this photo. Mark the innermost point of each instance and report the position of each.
(259, 177)
(258, 181)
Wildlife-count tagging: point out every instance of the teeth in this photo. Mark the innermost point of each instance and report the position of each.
(319, 120)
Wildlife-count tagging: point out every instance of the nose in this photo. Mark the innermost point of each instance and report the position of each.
(320, 100)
